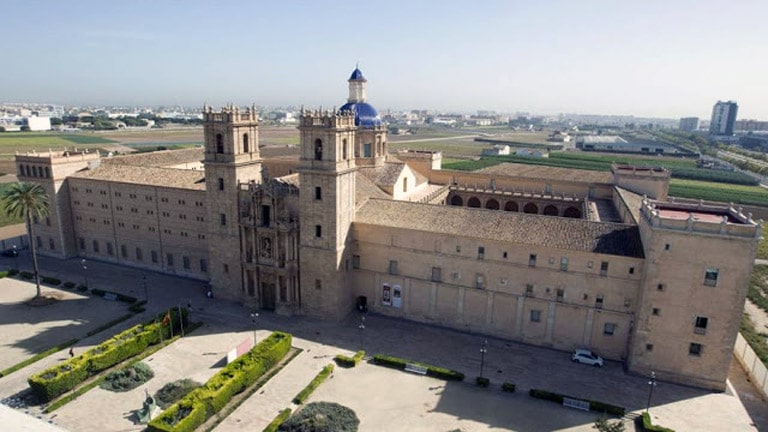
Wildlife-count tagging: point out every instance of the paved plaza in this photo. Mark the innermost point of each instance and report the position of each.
(384, 400)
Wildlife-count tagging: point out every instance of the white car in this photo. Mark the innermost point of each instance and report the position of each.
(587, 357)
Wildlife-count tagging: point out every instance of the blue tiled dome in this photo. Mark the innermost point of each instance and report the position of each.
(357, 75)
(365, 114)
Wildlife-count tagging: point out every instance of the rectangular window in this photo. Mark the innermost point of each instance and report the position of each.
(649, 347)
(318, 231)
(96, 246)
(700, 326)
(226, 268)
(480, 252)
(393, 267)
(81, 243)
(203, 265)
(437, 274)
(535, 315)
(695, 349)
(560, 294)
(504, 255)
(564, 264)
(710, 277)
(185, 262)
(154, 257)
(599, 301)
(609, 328)
(318, 193)
(318, 284)
(124, 251)
(660, 287)
(667, 247)
(355, 261)
(479, 281)
(265, 213)
(139, 254)
(221, 184)
(367, 150)
(110, 250)
(51, 244)
(529, 290)
(169, 259)
(604, 268)
(631, 270)
(656, 311)
(223, 219)
(532, 260)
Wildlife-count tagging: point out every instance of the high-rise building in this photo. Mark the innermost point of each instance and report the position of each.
(723, 118)
(689, 124)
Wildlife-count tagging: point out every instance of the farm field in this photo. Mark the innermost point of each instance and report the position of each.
(11, 142)
(737, 194)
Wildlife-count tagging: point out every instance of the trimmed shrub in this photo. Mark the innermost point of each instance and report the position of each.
(315, 383)
(118, 296)
(127, 379)
(644, 421)
(50, 280)
(280, 419)
(433, 371)
(593, 405)
(4, 274)
(482, 381)
(349, 362)
(322, 417)
(508, 387)
(82, 288)
(200, 404)
(174, 391)
(69, 285)
(13, 272)
(27, 275)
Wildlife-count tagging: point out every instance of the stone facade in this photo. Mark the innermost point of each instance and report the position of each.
(549, 256)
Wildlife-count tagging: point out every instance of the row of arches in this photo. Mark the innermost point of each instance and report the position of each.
(319, 149)
(220, 143)
(513, 206)
(35, 171)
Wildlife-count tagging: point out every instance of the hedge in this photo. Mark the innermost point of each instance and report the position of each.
(120, 297)
(433, 371)
(50, 280)
(482, 381)
(508, 387)
(280, 419)
(13, 272)
(63, 377)
(593, 405)
(349, 362)
(69, 285)
(644, 421)
(27, 275)
(200, 404)
(4, 274)
(321, 376)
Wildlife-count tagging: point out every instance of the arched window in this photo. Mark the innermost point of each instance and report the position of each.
(318, 149)
(511, 206)
(572, 212)
(531, 208)
(405, 184)
(219, 143)
(245, 143)
(344, 149)
(457, 201)
(473, 202)
(550, 210)
(492, 204)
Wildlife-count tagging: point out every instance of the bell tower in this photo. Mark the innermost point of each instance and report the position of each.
(327, 206)
(231, 158)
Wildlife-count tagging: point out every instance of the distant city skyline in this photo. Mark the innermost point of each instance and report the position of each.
(647, 59)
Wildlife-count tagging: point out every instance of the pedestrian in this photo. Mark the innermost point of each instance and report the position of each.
(71, 352)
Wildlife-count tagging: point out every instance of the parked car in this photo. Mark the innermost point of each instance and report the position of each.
(587, 357)
(12, 253)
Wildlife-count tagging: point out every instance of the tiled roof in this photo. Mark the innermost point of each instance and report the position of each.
(365, 189)
(384, 175)
(143, 175)
(162, 158)
(535, 230)
(548, 173)
(632, 200)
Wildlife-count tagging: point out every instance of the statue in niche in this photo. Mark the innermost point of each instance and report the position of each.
(266, 247)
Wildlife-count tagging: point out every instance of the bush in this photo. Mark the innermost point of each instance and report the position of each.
(174, 391)
(349, 362)
(69, 285)
(4, 274)
(644, 421)
(138, 307)
(508, 387)
(13, 272)
(322, 417)
(51, 280)
(280, 419)
(127, 379)
(321, 376)
(82, 288)
(433, 371)
(482, 381)
(202, 403)
(27, 275)
(593, 405)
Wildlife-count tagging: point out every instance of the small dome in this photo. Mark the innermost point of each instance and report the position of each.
(357, 75)
(365, 114)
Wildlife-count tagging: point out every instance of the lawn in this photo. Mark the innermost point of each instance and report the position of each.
(12, 142)
(721, 192)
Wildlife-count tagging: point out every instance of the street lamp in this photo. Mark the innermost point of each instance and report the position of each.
(83, 262)
(361, 326)
(253, 320)
(483, 350)
(16, 256)
(651, 385)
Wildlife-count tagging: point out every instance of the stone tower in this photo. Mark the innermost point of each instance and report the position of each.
(231, 158)
(371, 138)
(327, 207)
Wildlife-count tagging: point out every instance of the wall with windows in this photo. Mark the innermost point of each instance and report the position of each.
(535, 294)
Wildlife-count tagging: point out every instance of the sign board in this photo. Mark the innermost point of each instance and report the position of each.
(242, 348)
(397, 300)
(386, 295)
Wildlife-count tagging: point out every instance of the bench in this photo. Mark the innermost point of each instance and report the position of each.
(576, 403)
(410, 367)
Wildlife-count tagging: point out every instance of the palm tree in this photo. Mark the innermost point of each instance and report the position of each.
(28, 201)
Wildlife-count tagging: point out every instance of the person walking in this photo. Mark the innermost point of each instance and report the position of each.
(71, 352)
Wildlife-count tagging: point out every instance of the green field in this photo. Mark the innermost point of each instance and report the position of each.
(11, 142)
(710, 191)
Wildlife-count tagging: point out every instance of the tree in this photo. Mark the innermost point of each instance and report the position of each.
(28, 201)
